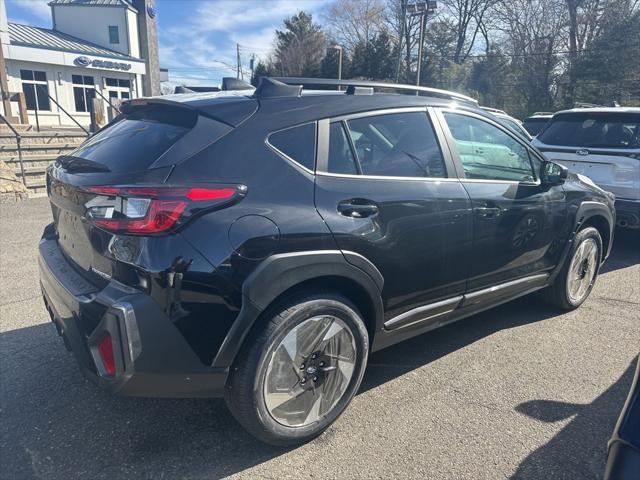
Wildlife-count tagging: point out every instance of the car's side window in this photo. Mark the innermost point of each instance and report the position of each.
(397, 145)
(340, 158)
(486, 152)
(297, 143)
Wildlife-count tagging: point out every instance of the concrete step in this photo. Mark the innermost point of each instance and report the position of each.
(42, 138)
(9, 151)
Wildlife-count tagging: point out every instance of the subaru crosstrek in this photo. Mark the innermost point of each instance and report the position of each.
(259, 245)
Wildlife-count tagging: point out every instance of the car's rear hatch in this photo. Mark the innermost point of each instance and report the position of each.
(139, 149)
(604, 146)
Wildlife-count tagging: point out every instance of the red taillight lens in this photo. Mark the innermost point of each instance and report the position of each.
(105, 347)
(150, 210)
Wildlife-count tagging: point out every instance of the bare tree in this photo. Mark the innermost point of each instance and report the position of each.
(465, 18)
(353, 22)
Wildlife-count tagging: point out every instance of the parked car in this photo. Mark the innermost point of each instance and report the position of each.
(536, 122)
(260, 246)
(509, 122)
(623, 461)
(603, 144)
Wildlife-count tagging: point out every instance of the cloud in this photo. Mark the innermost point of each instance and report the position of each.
(204, 43)
(37, 8)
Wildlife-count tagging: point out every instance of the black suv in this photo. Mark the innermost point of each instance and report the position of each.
(260, 245)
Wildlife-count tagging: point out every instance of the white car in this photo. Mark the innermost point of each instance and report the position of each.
(508, 121)
(603, 144)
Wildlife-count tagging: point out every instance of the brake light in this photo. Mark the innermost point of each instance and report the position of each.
(151, 210)
(105, 348)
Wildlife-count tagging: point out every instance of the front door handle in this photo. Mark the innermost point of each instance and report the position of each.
(357, 208)
(488, 212)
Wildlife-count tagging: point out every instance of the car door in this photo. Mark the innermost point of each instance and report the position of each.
(518, 224)
(388, 192)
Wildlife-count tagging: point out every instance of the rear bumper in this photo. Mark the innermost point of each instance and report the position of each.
(628, 213)
(152, 358)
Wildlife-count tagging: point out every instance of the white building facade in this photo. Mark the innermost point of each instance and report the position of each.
(92, 51)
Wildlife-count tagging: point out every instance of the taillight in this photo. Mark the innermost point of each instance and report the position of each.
(150, 210)
(105, 347)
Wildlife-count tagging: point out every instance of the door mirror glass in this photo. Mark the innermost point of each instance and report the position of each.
(553, 173)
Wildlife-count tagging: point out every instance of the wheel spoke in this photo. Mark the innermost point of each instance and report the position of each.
(309, 371)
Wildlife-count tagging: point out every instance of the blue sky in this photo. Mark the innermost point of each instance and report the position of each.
(198, 37)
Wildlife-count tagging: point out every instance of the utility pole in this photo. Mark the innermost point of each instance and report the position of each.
(239, 66)
(422, 9)
(252, 65)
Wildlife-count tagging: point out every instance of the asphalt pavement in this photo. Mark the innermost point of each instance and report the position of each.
(521, 391)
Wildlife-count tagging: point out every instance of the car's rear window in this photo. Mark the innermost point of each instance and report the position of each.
(594, 130)
(138, 139)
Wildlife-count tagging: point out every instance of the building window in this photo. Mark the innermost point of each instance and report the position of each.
(83, 92)
(36, 90)
(114, 35)
(118, 88)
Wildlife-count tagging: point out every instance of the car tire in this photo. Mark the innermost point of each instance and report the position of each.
(287, 385)
(578, 272)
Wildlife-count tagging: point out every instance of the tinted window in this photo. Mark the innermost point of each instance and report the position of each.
(594, 129)
(135, 142)
(487, 152)
(397, 145)
(340, 155)
(534, 125)
(297, 143)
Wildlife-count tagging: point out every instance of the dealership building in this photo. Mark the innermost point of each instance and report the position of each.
(104, 49)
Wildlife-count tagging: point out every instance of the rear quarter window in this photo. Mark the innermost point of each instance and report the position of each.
(297, 143)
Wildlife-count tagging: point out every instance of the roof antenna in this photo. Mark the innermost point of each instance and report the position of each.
(270, 88)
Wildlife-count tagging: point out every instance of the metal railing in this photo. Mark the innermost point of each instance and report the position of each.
(18, 141)
(41, 87)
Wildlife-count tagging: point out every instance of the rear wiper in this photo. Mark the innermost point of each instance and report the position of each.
(78, 164)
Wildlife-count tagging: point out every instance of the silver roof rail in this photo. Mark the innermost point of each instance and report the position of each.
(332, 82)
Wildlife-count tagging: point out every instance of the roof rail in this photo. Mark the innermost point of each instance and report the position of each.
(332, 82)
(494, 110)
(541, 113)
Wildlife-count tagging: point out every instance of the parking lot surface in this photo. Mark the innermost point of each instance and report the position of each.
(521, 391)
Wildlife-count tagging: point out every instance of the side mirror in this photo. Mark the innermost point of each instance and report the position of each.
(553, 174)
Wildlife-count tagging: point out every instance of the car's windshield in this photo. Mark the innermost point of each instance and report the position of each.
(594, 130)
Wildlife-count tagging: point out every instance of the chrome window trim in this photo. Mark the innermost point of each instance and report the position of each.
(287, 157)
(379, 177)
(375, 113)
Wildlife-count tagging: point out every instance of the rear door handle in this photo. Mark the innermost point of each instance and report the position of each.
(488, 212)
(357, 208)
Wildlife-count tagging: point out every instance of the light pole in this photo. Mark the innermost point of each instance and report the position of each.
(339, 48)
(422, 9)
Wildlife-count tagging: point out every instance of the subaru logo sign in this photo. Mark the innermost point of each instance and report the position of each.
(583, 152)
(151, 10)
(82, 61)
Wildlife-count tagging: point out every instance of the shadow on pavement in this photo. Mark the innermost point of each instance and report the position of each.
(625, 251)
(58, 425)
(581, 446)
